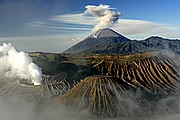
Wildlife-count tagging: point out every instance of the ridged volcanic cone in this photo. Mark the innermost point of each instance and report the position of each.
(103, 96)
(151, 71)
(130, 85)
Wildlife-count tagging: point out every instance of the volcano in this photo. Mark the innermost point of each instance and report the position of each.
(98, 41)
(99, 94)
(123, 83)
(150, 71)
(108, 41)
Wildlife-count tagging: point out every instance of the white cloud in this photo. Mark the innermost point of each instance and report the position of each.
(105, 15)
(67, 28)
(127, 26)
(135, 29)
(75, 19)
(100, 17)
(140, 29)
(35, 24)
(76, 39)
(71, 27)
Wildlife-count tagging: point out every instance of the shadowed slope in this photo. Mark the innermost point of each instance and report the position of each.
(98, 41)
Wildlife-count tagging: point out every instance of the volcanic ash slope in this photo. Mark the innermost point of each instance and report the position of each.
(127, 86)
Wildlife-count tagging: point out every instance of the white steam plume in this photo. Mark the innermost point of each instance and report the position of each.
(14, 64)
(103, 14)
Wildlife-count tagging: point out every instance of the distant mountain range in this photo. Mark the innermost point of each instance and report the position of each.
(107, 41)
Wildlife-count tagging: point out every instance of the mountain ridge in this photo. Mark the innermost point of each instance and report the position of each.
(107, 41)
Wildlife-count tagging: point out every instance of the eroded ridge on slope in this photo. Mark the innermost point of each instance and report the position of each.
(103, 96)
(127, 86)
(151, 71)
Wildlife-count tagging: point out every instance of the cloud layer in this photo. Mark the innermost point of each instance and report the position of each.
(102, 16)
(61, 31)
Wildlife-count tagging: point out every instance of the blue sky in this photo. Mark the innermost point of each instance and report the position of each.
(55, 25)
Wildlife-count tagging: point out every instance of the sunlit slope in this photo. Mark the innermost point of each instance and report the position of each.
(102, 96)
(150, 71)
(127, 86)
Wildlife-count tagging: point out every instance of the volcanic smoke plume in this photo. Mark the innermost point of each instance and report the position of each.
(18, 65)
(103, 14)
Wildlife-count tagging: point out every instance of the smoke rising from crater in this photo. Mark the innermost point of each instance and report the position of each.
(103, 14)
(18, 65)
